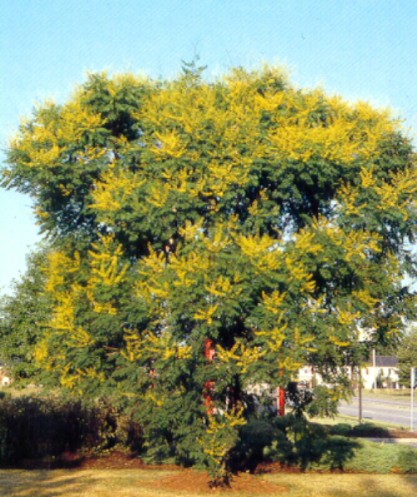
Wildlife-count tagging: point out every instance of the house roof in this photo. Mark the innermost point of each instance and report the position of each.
(386, 361)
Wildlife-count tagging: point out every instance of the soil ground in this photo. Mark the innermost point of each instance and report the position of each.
(181, 480)
(389, 433)
(121, 474)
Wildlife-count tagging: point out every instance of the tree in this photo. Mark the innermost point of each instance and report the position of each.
(23, 316)
(407, 356)
(269, 220)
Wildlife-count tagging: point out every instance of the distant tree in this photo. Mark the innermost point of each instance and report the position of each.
(407, 356)
(209, 236)
(24, 314)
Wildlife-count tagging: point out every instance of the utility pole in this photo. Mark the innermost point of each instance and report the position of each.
(412, 378)
(374, 369)
(360, 394)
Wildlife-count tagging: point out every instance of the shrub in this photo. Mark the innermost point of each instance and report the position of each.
(255, 440)
(342, 429)
(33, 428)
(292, 441)
(369, 430)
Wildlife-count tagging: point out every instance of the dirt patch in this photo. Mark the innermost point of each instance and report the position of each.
(376, 432)
(183, 480)
(265, 468)
(188, 480)
(276, 467)
(402, 434)
(113, 460)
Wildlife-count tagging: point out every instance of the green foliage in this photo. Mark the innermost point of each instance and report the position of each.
(343, 429)
(260, 440)
(369, 430)
(270, 220)
(24, 315)
(325, 402)
(407, 460)
(308, 443)
(32, 427)
(294, 442)
(382, 458)
(291, 441)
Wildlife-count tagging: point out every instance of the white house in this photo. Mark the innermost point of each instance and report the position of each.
(383, 372)
(5, 379)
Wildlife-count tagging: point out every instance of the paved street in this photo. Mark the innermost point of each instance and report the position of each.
(391, 410)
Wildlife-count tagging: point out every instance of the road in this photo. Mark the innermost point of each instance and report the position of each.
(390, 410)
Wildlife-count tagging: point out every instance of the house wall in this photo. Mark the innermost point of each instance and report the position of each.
(5, 379)
(385, 377)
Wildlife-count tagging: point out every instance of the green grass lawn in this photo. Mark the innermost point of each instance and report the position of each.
(378, 457)
(374, 465)
(152, 483)
(345, 485)
(397, 393)
(353, 421)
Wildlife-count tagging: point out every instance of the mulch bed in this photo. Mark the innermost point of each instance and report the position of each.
(198, 482)
(383, 433)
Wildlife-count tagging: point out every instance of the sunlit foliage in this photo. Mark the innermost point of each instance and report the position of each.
(271, 220)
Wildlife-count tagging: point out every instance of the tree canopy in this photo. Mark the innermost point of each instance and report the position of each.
(270, 220)
(24, 314)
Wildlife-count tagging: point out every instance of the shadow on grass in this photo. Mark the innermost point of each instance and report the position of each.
(412, 482)
(294, 443)
(335, 453)
(361, 430)
(369, 430)
(42, 483)
(312, 445)
(374, 487)
(63, 461)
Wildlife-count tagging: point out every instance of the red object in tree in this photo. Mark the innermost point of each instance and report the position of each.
(281, 397)
(209, 353)
(208, 397)
(209, 349)
(281, 401)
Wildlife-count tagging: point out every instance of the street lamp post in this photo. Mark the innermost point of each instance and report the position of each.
(412, 378)
(360, 394)
(363, 347)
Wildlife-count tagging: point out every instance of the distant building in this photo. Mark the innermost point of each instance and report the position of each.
(384, 374)
(5, 379)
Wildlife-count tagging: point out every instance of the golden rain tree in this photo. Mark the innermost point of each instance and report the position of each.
(269, 220)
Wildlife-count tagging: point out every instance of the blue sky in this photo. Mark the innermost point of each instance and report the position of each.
(361, 49)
